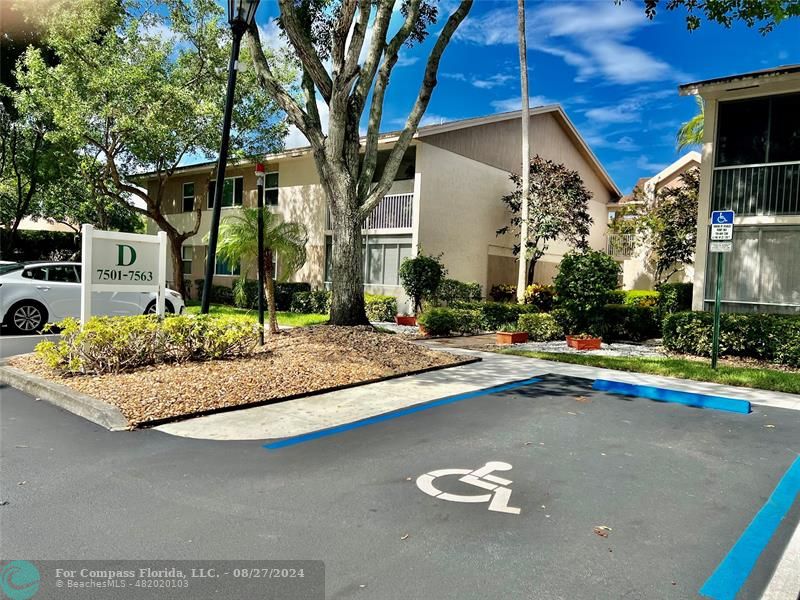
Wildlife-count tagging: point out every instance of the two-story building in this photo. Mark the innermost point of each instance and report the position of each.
(445, 200)
(751, 165)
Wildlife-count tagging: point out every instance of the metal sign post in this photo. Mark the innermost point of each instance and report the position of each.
(721, 242)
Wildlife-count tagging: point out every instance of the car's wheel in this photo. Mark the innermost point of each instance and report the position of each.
(26, 317)
(151, 308)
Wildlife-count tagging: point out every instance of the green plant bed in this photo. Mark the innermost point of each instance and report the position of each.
(287, 318)
(759, 378)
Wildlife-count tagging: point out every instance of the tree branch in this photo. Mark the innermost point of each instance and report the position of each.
(421, 104)
(305, 48)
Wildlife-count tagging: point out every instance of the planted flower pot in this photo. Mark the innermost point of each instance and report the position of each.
(410, 321)
(584, 342)
(512, 337)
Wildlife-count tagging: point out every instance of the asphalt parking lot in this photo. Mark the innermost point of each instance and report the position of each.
(617, 497)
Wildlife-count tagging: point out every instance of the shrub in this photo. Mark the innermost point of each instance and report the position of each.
(617, 296)
(641, 298)
(565, 319)
(452, 290)
(541, 327)
(774, 338)
(114, 344)
(495, 314)
(673, 297)
(582, 286)
(466, 320)
(380, 308)
(317, 301)
(421, 277)
(437, 321)
(629, 322)
(541, 296)
(505, 292)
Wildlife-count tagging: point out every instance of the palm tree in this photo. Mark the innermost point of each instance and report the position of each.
(238, 241)
(526, 159)
(691, 132)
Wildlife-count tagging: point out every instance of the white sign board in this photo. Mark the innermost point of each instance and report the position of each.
(721, 225)
(112, 261)
(721, 247)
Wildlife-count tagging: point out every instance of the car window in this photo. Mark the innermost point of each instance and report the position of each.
(62, 273)
(38, 273)
(10, 267)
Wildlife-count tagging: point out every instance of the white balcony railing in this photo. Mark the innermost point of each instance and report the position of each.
(393, 212)
(767, 189)
(621, 245)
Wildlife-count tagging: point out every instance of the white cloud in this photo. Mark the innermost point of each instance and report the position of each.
(594, 39)
(432, 119)
(407, 61)
(487, 83)
(271, 37)
(627, 144)
(510, 104)
(453, 76)
(644, 163)
(628, 110)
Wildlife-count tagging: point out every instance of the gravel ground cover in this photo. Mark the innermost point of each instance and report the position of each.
(605, 349)
(301, 360)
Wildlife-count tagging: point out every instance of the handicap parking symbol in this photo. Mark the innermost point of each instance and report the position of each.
(500, 492)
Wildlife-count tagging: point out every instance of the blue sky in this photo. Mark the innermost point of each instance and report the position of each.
(615, 72)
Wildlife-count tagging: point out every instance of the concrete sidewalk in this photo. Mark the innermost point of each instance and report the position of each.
(322, 411)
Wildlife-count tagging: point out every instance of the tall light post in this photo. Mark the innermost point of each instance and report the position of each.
(260, 175)
(240, 16)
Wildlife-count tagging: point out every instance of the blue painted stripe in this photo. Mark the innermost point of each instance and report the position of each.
(314, 435)
(735, 568)
(665, 395)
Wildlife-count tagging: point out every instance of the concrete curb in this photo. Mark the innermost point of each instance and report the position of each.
(89, 408)
(785, 582)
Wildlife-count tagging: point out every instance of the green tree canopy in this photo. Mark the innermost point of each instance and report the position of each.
(766, 14)
(139, 86)
(558, 208)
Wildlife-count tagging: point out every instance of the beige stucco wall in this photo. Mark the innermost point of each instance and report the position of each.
(460, 211)
(497, 145)
(711, 96)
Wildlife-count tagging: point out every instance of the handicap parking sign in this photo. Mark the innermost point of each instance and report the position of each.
(722, 225)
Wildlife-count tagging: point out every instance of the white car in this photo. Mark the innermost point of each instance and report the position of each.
(37, 293)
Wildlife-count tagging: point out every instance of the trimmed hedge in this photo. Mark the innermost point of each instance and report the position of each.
(647, 298)
(629, 322)
(541, 327)
(317, 302)
(774, 338)
(444, 321)
(452, 290)
(115, 344)
(284, 292)
(494, 315)
(673, 297)
(380, 308)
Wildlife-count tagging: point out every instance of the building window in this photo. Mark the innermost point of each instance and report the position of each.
(271, 189)
(612, 214)
(232, 192)
(186, 258)
(762, 274)
(758, 130)
(188, 197)
(222, 267)
(381, 258)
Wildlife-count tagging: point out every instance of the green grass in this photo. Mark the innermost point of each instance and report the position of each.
(760, 378)
(284, 317)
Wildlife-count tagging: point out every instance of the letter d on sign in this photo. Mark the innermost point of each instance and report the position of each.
(121, 255)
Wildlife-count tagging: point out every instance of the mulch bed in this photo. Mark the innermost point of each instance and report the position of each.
(299, 361)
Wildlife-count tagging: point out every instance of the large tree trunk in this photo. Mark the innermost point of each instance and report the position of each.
(176, 243)
(347, 302)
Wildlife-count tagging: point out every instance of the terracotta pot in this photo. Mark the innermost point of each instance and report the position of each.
(512, 337)
(584, 343)
(404, 320)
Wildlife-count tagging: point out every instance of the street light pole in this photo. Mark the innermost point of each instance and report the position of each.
(261, 270)
(240, 15)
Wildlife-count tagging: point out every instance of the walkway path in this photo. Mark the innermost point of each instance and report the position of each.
(345, 406)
